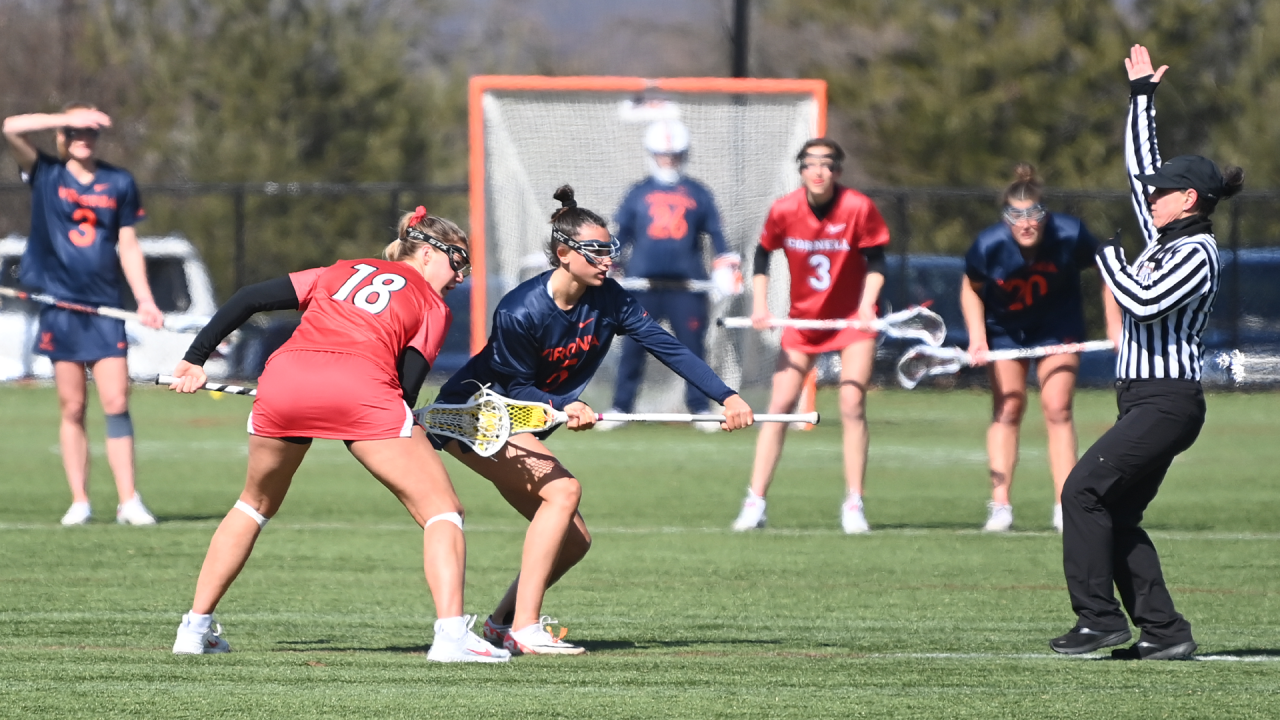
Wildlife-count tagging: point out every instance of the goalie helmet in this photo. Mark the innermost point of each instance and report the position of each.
(668, 138)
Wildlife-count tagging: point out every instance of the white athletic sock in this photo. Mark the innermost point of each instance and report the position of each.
(752, 494)
(853, 497)
(454, 627)
(199, 623)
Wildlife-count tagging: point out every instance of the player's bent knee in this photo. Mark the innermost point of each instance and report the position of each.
(119, 425)
(249, 510)
(449, 517)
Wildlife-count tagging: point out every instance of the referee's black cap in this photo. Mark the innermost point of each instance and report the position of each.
(1188, 171)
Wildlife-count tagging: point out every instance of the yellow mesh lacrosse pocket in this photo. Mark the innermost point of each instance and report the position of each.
(528, 418)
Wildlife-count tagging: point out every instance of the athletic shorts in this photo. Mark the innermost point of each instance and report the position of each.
(814, 342)
(1000, 339)
(331, 395)
(70, 336)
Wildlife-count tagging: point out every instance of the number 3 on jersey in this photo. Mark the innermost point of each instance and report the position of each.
(821, 277)
(376, 296)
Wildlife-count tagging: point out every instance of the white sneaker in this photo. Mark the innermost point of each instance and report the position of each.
(752, 515)
(454, 642)
(538, 640)
(999, 518)
(78, 514)
(192, 640)
(852, 519)
(607, 425)
(1057, 517)
(495, 633)
(133, 512)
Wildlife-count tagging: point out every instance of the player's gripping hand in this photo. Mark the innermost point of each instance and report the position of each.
(189, 378)
(978, 352)
(737, 414)
(150, 315)
(581, 416)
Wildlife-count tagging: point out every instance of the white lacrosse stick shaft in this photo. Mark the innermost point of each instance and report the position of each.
(947, 361)
(891, 324)
(211, 386)
(1045, 351)
(104, 311)
(812, 418)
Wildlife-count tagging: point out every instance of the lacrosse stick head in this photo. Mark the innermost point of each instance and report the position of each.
(924, 325)
(529, 417)
(921, 361)
(481, 422)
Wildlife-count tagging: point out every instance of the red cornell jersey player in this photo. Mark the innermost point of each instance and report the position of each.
(353, 368)
(834, 240)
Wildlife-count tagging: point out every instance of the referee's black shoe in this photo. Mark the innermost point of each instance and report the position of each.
(1152, 651)
(1083, 640)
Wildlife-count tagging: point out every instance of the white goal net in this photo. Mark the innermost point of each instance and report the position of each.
(540, 133)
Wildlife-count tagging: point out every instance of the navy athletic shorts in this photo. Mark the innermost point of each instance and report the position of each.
(1053, 334)
(70, 336)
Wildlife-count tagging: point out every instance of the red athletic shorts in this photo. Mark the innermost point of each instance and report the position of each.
(336, 396)
(814, 342)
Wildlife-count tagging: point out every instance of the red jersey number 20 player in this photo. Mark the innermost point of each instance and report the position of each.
(834, 239)
(370, 330)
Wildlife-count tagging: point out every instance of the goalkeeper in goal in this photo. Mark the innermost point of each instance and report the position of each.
(549, 336)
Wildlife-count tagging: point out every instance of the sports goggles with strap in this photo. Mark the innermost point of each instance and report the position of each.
(1013, 215)
(593, 250)
(459, 258)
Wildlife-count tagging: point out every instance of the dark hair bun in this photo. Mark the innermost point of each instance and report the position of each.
(1232, 180)
(564, 194)
(1024, 173)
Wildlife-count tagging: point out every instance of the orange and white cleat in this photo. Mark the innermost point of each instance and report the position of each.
(541, 640)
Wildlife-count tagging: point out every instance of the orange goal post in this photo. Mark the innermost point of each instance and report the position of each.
(531, 134)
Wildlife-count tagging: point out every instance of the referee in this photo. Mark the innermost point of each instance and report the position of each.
(1165, 297)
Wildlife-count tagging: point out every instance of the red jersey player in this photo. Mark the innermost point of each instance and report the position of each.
(834, 239)
(353, 368)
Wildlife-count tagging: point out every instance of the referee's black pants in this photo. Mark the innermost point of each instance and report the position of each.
(1102, 505)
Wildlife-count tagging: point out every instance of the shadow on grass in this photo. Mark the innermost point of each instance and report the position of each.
(593, 646)
(188, 518)
(326, 645)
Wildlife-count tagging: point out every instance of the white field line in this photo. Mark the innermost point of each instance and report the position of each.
(1210, 535)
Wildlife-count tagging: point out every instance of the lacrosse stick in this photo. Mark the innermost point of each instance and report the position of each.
(110, 312)
(635, 284)
(923, 360)
(528, 417)
(211, 386)
(917, 323)
(481, 422)
(1247, 368)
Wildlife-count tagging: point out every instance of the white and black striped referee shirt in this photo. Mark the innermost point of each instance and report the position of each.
(1166, 294)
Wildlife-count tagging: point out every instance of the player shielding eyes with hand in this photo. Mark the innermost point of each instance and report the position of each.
(369, 333)
(1022, 290)
(82, 241)
(548, 338)
(834, 239)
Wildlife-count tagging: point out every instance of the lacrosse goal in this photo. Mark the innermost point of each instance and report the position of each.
(529, 135)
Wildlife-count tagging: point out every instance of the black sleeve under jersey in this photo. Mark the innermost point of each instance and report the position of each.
(760, 266)
(412, 368)
(875, 259)
(277, 294)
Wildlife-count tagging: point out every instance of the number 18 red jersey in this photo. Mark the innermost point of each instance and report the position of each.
(827, 267)
(370, 308)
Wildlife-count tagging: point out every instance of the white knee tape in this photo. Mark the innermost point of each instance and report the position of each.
(247, 509)
(452, 517)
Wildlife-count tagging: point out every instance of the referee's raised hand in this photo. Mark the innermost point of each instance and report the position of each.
(1139, 65)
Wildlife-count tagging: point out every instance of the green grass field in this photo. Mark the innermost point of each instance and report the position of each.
(925, 617)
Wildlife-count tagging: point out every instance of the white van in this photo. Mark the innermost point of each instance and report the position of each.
(183, 292)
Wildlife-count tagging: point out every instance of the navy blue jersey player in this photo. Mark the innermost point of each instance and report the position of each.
(1021, 290)
(548, 338)
(81, 243)
(662, 220)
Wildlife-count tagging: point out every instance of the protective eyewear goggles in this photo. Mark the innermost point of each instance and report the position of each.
(73, 133)
(459, 258)
(1035, 213)
(813, 162)
(595, 252)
